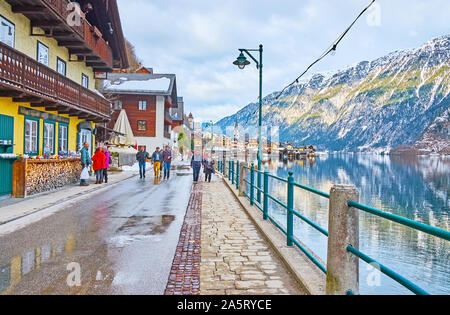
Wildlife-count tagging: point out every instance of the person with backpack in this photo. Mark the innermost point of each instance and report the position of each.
(196, 164)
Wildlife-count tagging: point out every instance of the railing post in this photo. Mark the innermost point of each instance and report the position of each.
(290, 208)
(252, 185)
(232, 172)
(241, 179)
(343, 229)
(259, 183)
(266, 197)
(238, 174)
(224, 170)
(229, 169)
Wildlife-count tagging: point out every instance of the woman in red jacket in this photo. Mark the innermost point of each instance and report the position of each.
(98, 164)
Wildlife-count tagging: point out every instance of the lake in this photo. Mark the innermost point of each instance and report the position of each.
(414, 187)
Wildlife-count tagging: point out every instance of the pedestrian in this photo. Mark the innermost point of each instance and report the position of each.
(107, 164)
(86, 161)
(167, 160)
(98, 164)
(142, 157)
(208, 167)
(156, 161)
(196, 164)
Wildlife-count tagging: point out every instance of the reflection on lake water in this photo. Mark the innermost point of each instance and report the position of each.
(414, 187)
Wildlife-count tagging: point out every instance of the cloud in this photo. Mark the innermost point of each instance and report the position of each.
(198, 41)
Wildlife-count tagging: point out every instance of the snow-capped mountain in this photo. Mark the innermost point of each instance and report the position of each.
(401, 99)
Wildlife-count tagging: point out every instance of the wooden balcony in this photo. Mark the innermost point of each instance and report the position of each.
(26, 80)
(83, 40)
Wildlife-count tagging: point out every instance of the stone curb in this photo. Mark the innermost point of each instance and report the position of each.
(67, 200)
(308, 276)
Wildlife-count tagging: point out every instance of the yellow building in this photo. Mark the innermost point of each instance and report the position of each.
(49, 58)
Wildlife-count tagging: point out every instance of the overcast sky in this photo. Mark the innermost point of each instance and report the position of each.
(198, 41)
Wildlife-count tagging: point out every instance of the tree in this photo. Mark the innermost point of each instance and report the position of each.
(133, 60)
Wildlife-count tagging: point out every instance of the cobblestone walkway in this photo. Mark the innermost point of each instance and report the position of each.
(235, 259)
(184, 278)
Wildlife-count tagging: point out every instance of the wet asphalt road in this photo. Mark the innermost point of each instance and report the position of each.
(123, 240)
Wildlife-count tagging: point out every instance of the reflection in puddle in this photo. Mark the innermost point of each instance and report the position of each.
(124, 240)
(152, 225)
(12, 274)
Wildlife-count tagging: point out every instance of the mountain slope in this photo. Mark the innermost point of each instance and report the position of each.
(376, 105)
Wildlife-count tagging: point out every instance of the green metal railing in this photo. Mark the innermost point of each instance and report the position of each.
(234, 175)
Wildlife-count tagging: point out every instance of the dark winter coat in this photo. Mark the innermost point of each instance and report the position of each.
(208, 167)
(142, 157)
(167, 156)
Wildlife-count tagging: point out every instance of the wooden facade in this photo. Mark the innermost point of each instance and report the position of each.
(66, 23)
(130, 103)
(26, 80)
(51, 53)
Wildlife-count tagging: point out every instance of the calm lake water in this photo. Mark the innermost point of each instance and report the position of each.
(417, 188)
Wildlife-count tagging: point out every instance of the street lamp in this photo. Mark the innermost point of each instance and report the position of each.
(212, 137)
(242, 62)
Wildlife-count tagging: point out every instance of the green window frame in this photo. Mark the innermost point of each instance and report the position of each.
(30, 137)
(46, 136)
(61, 140)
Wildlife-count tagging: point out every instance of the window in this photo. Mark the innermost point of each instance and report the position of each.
(63, 139)
(7, 32)
(31, 137)
(142, 125)
(142, 105)
(42, 53)
(117, 105)
(61, 66)
(85, 81)
(49, 138)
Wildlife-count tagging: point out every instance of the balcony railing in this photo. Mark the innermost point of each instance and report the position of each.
(55, 20)
(60, 7)
(90, 34)
(21, 73)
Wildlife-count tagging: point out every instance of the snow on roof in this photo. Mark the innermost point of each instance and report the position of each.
(161, 84)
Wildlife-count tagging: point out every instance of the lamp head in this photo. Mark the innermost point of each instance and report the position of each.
(241, 61)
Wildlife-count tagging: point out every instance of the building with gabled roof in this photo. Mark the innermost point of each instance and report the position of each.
(148, 100)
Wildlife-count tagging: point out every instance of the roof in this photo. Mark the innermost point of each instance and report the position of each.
(145, 70)
(142, 84)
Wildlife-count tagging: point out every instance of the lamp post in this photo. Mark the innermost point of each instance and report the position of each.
(242, 62)
(212, 137)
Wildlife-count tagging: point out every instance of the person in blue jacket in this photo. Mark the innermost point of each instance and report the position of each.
(85, 161)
